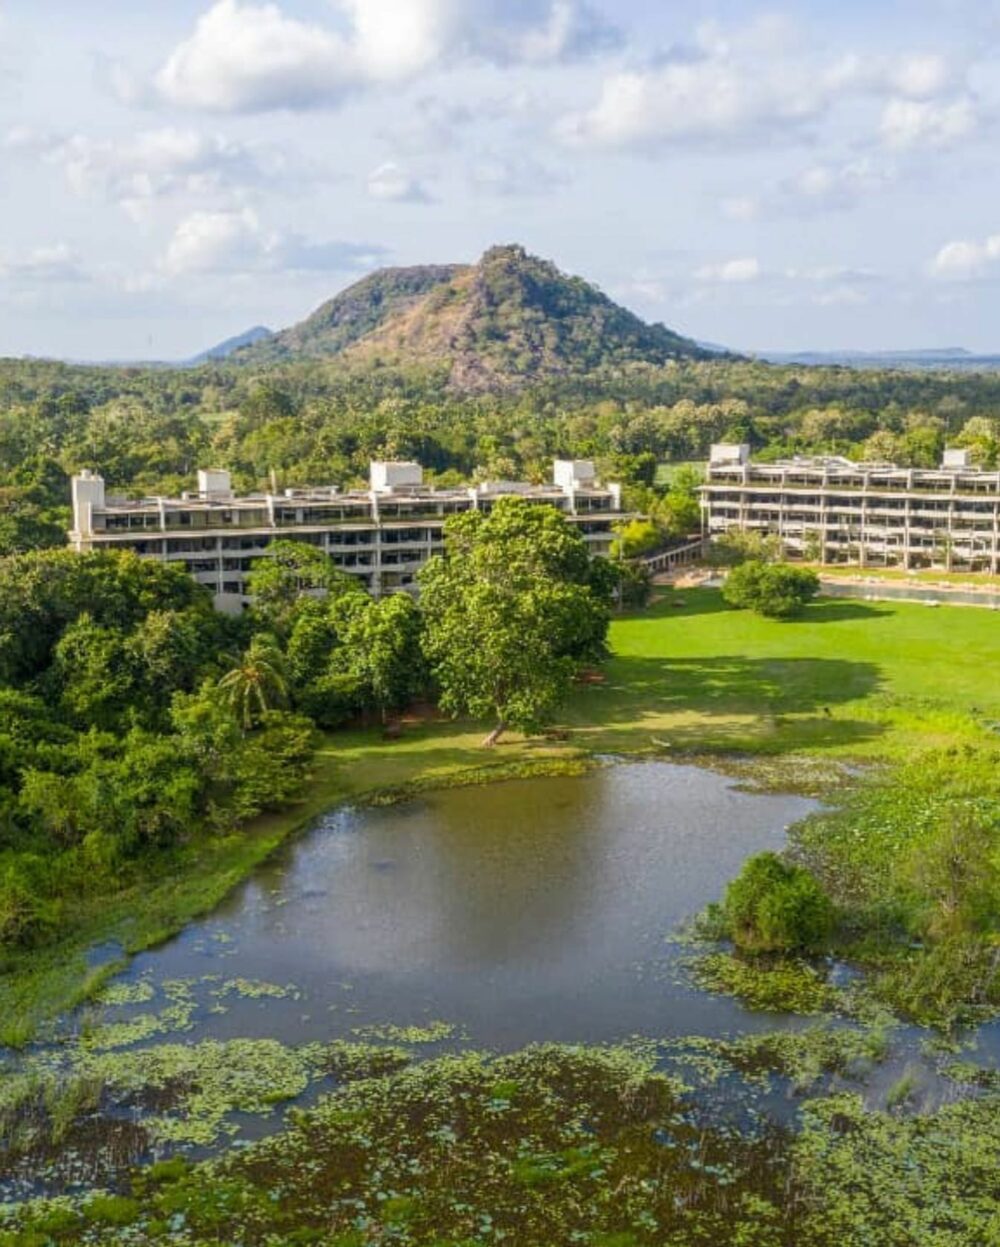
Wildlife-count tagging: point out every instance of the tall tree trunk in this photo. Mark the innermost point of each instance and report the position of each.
(495, 735)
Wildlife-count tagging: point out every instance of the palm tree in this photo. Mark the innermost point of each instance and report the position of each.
(257, 681)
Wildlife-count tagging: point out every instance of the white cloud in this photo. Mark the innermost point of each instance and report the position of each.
(251, 57)
(912, 75)
(154, 165)
(928, 123)
(294, 253)
(922, 76)
(159, 163)
(244, 56)
(211, 242)
(760, 84)
(513, 175)
(236, 242)
(710, 101)
(397, 39)
(43, 265)
(391, 181)
(741, 207)
(748, 282)
(743, 269)
(817, 189)
(964, 259)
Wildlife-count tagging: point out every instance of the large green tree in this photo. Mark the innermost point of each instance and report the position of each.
(291, 571)
(380, 649)
(510, 612)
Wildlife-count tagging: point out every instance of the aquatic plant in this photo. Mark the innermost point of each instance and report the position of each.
(776, 906)
(773, 985)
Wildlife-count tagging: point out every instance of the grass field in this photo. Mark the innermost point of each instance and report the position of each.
(851, 678)
(847, 680)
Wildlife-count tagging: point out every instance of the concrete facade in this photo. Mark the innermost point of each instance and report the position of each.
(382, 535)
(832, 510)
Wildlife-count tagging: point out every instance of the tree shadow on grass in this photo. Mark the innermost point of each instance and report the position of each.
(730, 696)
(676, 603)
(833, 610)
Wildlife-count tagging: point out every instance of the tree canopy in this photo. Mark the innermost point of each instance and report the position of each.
(772, 589)
(511, 610)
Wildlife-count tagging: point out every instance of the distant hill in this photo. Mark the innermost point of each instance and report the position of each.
(224, 349)
(506, 320)
(944, 357)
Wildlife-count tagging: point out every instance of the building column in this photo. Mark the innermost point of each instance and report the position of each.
(906, 534)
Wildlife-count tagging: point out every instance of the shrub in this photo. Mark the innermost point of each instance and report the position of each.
(27, 915)
(772, 589)
(111, 1209)
(737, 546)
(774, 906)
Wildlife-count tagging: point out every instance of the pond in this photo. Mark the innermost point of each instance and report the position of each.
(537, 909)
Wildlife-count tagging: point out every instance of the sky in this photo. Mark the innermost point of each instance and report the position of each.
(812, 176)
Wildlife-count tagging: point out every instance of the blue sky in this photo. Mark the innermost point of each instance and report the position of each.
(815, 175)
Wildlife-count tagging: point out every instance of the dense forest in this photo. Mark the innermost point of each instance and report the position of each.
(147, 430)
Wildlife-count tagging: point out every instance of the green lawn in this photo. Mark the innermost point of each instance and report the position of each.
(848, 679)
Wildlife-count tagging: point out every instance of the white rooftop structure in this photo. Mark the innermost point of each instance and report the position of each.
(383, 534)
(386, 476)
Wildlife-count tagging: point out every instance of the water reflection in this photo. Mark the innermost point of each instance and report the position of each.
(530, 910)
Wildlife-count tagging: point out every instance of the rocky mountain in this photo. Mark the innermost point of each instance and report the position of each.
(509, 319)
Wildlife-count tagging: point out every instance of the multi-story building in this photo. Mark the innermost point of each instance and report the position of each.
(382, 535)
(831, 510)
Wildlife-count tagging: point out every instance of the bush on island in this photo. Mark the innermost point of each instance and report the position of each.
(775, 906)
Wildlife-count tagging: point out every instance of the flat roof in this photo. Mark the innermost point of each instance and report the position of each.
(838, 464)
(331, 496)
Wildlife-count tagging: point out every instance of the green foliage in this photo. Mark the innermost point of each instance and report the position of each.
(776, 906)
(638, 537)
(953, 874)
(44, 592)
(108, 757)
(27, 916)
(277, 584)
(738, 546)
(552, 1145)
(874, 1178)
(772, 589)
(773, 985)
(257, 682)
(379, 654)
(630, 583)
(911, 862)
(28, 520)
(510, 614)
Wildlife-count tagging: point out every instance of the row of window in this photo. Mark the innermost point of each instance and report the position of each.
(853, 500)
(987, 485)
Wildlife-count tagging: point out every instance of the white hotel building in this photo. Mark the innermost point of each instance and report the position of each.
(831, 510)
(382, 535)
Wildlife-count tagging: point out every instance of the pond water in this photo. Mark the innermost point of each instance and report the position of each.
(884, 592)
(528, 911)
(537, 909)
